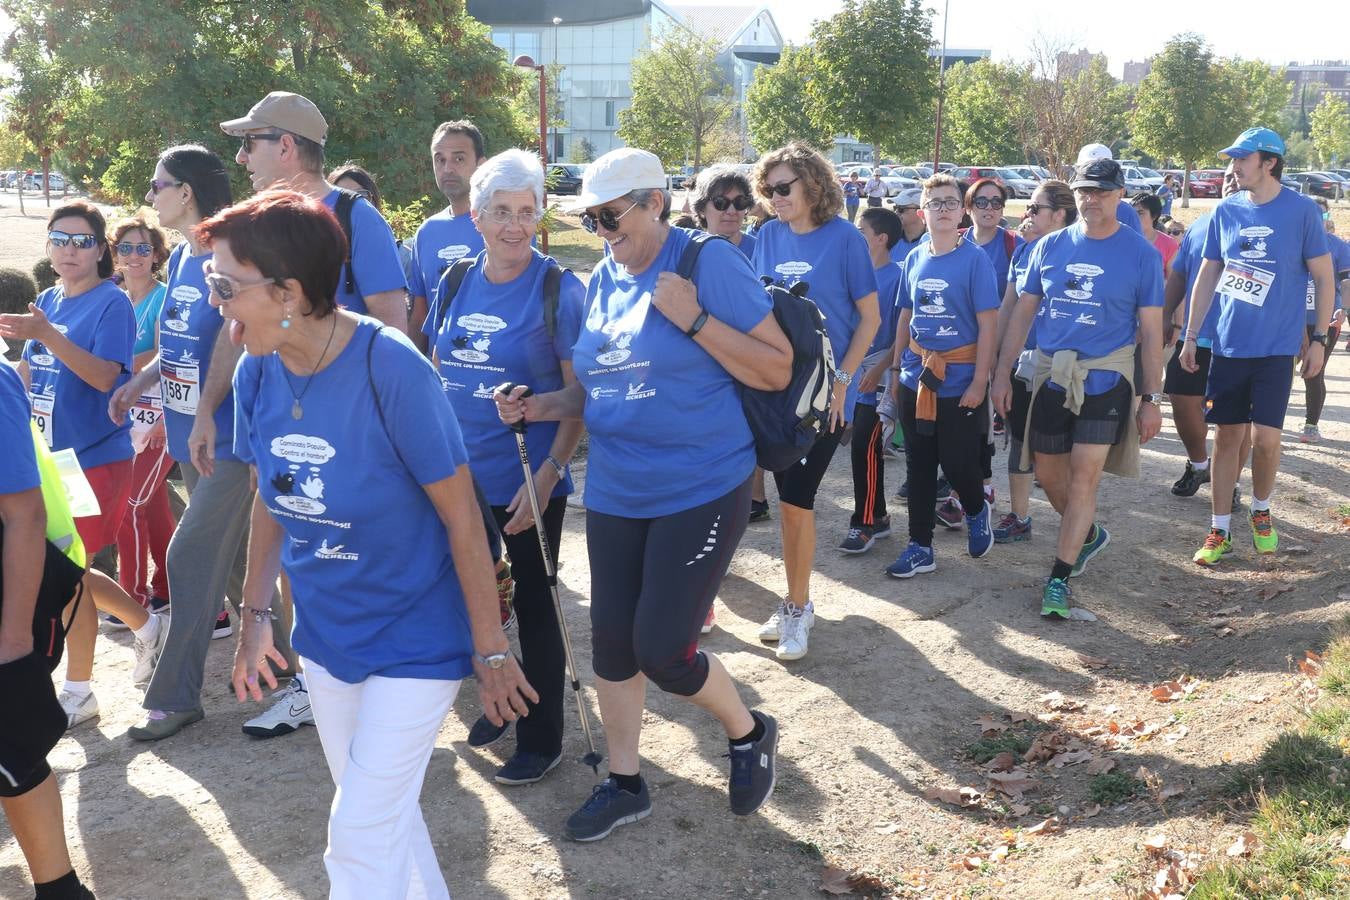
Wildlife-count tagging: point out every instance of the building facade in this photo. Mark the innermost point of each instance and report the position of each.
(1312, 81)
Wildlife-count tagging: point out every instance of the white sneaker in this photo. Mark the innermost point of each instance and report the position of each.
(78, 709)
(289, 711)
(771, 631)
(147, 653)
(795, 631)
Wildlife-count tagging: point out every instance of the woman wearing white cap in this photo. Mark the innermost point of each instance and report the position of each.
(658, 361)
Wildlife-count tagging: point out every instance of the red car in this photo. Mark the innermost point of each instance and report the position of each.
(968, 175)
(1206, 182)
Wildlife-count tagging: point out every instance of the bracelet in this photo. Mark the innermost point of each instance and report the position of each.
(259, 615)
(698, 323)
(558, 467)
(1187, 335)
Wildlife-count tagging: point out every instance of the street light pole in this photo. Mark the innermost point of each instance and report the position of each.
(942, 78)
(526, 62)
(556, 22)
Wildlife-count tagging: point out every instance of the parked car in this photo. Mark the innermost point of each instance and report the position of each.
(968, 175)
(1031, 173)
(896, 181)
(1336, 176)
(1139, 180)
(1206, 183)
(55, 181)
(566, 177)
(915, 173)
(893, 183)
(1021, 186)
(1317, 184)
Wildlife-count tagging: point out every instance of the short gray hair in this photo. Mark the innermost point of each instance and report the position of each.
(510, 170)
(647, 197)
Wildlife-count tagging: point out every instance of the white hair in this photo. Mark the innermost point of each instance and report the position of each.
(510, 170)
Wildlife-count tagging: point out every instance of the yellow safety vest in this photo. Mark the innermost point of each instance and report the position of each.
(61, 529)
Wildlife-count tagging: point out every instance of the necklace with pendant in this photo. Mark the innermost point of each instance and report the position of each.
(298, 411)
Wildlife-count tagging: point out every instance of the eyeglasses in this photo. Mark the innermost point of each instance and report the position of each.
(947, 203)
(125, 248)
(1176, 232)
(905, 209)
(528, 219)
(783, 188)
(79, 241)
(605, 218)
(741, 202)
(227, 288)
(987, 203)
(156, 185)
(246, 142)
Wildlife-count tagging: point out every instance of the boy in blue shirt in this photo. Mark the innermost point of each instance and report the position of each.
(1261, 248)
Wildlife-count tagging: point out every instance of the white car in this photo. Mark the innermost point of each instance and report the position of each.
(1141, 180)
(56, 182)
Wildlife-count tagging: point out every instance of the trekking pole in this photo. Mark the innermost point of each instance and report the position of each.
(593, 758)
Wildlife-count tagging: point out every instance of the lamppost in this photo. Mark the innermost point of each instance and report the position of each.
(556, 22)
(942, 76)
(526, 62)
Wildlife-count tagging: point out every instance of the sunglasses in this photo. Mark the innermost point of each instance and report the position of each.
(742, 203)
(525, 219)
(905, 209)
(948, 203)
(156, 185)
(79, 241)
(1176, 232)
(1034, 209)
(783, 188)
(125, 248)
(604, 218)
(246, 142)
(227, 288)
(987, 203)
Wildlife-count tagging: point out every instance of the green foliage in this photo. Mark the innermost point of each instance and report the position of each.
(405, 220)
(17, 290)
(43, 274)
(105, 93)
(987, 748)
(871, 75)
(1299, 151)
(777, 108)
(979, 124)
(1183, 109)
(680, 99)
(583, 151)
(1114, 788)
(1263, 94)
(1329, 129)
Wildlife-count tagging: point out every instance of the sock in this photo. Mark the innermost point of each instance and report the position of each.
(149, 630)
(1260, 505)
(78, 688)
(67, 887)
(755, 734)
(630, 783)
(1091, 535)
(1201, 466)
(1222, 523)
(1061, 569)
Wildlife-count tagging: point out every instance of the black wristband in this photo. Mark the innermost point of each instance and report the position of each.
(698, 323)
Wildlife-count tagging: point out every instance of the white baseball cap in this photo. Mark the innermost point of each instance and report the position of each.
(615, 174)
(1092, 153)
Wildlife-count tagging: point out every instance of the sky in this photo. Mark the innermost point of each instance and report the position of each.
(1236, 28)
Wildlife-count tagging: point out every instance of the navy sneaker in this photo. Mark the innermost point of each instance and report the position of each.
(903, 494)
(1095, 544)
(752, 769)
(1011, 529)
(915, 560)
(527, 768)
(979, 536)
(485, 734)
(609, 807)
(882, 528)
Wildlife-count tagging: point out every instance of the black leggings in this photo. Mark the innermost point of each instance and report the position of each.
(1315, 389)
(494, 534)
(869, 474)
(541, 648)
(958, 444)
(652, 583)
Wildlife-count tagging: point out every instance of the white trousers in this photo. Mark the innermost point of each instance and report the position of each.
(377, 737)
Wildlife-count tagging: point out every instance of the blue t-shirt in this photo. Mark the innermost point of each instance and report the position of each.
(834, 261)
(375, 261)
(70, 412)
(902, 247)
(657, 402)
(888, 288)
(147, 318)
(944, 294)
(188, 327)
(18, 464)
(441, 241)
(997, 251)
(851, 191)
(1018, 274)
(1127, 216)
(1264, 285)
(1092, 290)
(1165, 196)
(747, 244)
(1340, 262)
(495, 333)
(367, 555)
(1190, 254)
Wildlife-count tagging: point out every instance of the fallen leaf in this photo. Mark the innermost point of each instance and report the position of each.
(1016, 717)
(1167, 692)
(1092, 810)
(1271, 591)
(1013, 783)
(886, 828)
(965, 796)
(1072, 758)
(835, 881)
(1046, 745)
(1003, 762)
(1100, 766)
(1057, 701)
(1174, 736)
(1048, 826)
(1244, 845)
(1311, 664)
(1170, 791)
(1257, 698)
(972, 862)
(990, 725)
(1092, 662)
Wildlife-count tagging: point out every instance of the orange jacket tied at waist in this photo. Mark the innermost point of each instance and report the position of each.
(936, 361)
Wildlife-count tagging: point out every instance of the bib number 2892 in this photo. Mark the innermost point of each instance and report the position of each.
(1246, 283)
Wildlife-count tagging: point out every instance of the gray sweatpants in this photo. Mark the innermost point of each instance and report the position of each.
(205, 558)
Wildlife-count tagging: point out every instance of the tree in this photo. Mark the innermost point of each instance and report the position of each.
(1299, 151)
(680, 99)
(1070, 110)
(871, 73)
(583, 151)
(1329, 128)
(1182, 109)
(1264, 95)
(776, 104)
(979, 123)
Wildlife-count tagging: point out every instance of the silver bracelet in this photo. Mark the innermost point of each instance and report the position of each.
(260, 616)
(558, 467)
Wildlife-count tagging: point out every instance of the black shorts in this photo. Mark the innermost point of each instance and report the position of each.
(1017, 425)
(1100, 420)
(798, 483)
(31, 722)
(1243, 390)
(1181, 383)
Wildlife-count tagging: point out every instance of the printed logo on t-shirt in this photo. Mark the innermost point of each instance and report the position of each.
(1080, 286)
(639, 391)
(1253, 244)
(615, 350)
(931, 301)
(184, 295)
(473, 345)
(453, 253)
(301, 452)
(484, 391)
(40, 356)
(60, 328)
(946, 331)
(323, 551)
(599, 393)
(1085, 319)
(792, 268)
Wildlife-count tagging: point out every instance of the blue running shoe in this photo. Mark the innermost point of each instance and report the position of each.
(1055, 599)
(915, 560)
(979, 536)
(1095, 544)
(609, 807)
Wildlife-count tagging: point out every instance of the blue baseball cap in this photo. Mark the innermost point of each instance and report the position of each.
(1252, 140)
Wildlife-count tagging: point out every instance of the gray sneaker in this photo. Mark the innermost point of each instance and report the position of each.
(609, 807)
(752, 769)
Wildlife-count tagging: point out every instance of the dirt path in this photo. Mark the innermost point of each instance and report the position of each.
(883, 709)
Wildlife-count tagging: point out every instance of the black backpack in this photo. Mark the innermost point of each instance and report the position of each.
(343, 210)
(454, 277)
(786, 424)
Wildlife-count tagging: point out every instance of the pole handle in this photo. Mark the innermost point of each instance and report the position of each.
(507, 387)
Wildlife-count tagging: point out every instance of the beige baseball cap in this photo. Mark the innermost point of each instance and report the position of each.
(285, 111)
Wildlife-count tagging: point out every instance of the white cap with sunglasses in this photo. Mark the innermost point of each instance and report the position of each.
(615, 174)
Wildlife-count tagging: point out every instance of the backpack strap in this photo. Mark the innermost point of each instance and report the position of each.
(552, 293)
(449, 287)
(1009, 243)
(689, 258)
(343, 209)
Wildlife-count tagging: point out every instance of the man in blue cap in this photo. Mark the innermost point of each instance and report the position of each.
(1263, 245)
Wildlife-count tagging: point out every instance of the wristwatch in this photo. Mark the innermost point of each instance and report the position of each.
(494, 660)
(1155, 399)
(1319, 337)
(842, 377)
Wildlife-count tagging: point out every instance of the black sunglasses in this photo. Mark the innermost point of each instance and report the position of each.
(783, 188)
(742, 203)
(246, 142)
(987, 202)
(605, 218)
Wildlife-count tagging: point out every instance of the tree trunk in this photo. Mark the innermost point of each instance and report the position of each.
(46, 175)
(1186, 186)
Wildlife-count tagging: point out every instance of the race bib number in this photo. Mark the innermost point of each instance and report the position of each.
(179, 383)
(147, 412)
(1312, 295)
(1246, 283)
(43, 416)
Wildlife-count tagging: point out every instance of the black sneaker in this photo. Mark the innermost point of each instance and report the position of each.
(752, 769)
(609, 807)
(158, 603)
(1190, 481)
(903, 494)
(485, 734)
(527, 768)
(759, 510)
(944, 489)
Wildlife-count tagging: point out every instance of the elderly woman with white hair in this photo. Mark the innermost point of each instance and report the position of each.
(510, 314)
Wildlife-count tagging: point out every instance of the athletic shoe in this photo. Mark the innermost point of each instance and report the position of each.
(158, 604)
(1264, 535)
(944, 489)
(527, 768)
(1095, 544)
(882, 529)
(979, 539)
(147, 653)
(858, 540)
(1190, 481)
(159, 724)
(999, 426)
(1055, 598)
(1216, 547)
(752, 768)
(916, 560)
(609, 807)
(506, 592)
(950, 514)
(710, 620)
(795, 631)
(485, 734)
(772, 629)
(1310, 434)
(903, 493)
(79, 709)
(759, 510)
(290, 710)
(893, 451)
(1010, 529)
(223, 628)
(112, 623)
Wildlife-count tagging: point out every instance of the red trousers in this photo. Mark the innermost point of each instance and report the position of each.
(146, 528)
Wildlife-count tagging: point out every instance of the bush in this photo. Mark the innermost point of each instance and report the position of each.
(17, 290)
(44, 274)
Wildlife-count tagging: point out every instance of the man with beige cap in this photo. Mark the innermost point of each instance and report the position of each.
(282, 141)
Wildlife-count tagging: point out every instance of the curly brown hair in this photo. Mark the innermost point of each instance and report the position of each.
(819, 184)
(159, 255)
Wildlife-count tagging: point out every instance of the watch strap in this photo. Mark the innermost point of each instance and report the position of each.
(698, 324)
